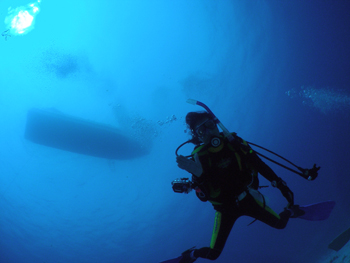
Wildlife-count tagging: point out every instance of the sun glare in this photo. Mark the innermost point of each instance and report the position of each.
(20, 20)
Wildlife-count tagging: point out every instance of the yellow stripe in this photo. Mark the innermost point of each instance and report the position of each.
(198, 149)
(267, 208)
(216, 149)
(216, 229)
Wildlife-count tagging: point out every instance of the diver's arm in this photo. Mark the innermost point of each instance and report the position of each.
(270, 175)
(262, 167)
(252, 158)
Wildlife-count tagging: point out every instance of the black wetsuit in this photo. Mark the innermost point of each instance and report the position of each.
(229, 171)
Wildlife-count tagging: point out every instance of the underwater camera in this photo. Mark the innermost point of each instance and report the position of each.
(182, 185)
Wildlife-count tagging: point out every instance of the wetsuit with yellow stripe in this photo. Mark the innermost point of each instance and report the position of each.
(229, 181)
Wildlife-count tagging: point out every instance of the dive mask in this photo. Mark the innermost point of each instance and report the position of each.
(201, 128)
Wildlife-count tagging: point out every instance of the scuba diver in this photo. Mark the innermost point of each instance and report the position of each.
(224, 172)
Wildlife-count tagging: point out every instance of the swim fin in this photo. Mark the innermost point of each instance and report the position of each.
(317, 212)
(340, 240)
(174, 260)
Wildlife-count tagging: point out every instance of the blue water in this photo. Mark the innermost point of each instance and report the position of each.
(276, 72)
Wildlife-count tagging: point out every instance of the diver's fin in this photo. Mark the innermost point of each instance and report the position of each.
(318, 211)
(174, 260)
(340, 240)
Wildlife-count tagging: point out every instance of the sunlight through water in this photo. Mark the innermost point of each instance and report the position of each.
(20, 20)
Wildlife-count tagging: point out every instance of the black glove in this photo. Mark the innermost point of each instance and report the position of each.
(313, 172)
(286, 192)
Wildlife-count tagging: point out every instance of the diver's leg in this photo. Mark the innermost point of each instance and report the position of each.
(222, 228)
(264, 213)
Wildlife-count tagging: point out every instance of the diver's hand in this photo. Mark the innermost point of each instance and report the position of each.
(313, 172)
(193, 167)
